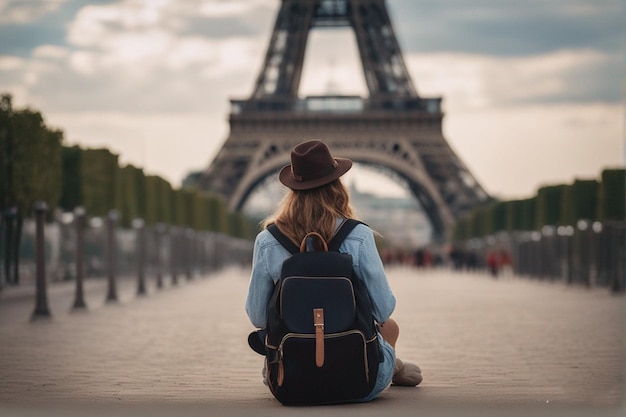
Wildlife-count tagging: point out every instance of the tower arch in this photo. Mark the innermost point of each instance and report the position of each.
(393, 127)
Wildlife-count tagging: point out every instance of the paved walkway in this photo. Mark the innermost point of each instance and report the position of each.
(506, 347)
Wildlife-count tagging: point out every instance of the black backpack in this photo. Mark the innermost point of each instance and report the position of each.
(321, 344)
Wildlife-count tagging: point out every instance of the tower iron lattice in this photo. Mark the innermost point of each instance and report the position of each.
(393, 128)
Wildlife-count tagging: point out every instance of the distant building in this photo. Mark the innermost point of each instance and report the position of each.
(400, 220)
(191, 180)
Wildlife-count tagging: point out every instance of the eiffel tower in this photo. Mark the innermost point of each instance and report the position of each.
(394, 128)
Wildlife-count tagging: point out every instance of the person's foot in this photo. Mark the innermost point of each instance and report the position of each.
(264, 373)
(406, 374)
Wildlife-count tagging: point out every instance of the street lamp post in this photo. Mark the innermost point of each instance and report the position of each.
(566, 233)
(138, 225)
(174, 251)
(188, 248)
(79, 219)
(583, 254)
(41, 297)
(159, 231)
(111, 252)
(10, 216)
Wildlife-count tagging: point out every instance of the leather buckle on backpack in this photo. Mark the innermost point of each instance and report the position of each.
(318, 322)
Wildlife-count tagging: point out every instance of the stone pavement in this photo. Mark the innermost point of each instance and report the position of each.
(505, 347)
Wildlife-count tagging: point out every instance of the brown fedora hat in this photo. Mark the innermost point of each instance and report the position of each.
(312, 166)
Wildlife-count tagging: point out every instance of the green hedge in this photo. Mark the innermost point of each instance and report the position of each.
(41, 168)
(580, 201)
(132, 194)
(201, 212)
(71, 190)
(461, 229)
(520, 214)
(165, 195)
(556, 205)
(611, 195)
(548, 205)
(99, 172)
(137, 195)
(497, 217)
(32, 153)
(219, 215)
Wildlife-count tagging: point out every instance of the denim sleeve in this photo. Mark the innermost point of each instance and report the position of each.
(369, 267)
(261, 284)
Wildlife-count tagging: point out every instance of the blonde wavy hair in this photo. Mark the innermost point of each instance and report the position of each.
(315, 210)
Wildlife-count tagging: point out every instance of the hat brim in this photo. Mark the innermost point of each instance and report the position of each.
(285, 177)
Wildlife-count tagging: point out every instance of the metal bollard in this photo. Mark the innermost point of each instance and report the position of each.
(159, 231)
(111, 252)
(138, 225)
(41, 298)
(174, 250)
(79, 219)
(8, 246)
(188, 252)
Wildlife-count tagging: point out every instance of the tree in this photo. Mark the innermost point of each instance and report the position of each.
(611, 195)
(132, 194)
(33, 169)
(72, 190)
(99, 178)
(548, 205)
(580, 201)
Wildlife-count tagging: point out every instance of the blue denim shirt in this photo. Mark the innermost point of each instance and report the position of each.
(269, 255)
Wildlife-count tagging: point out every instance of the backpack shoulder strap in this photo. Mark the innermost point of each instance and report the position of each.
(344, 230)
(282, 239)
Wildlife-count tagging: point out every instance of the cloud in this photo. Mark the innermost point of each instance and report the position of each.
(20, 40)
(24, 25)
(570, 76)
(52, 52)
(469, 77)
(223, 8)
(513, 151)
(506, 28)
(138, 56)
(514, 76)
(11, 63)
(180, 18)
(20, 11)
(474, 81)
(150, 51)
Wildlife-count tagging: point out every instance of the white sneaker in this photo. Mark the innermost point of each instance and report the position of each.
(406, 374)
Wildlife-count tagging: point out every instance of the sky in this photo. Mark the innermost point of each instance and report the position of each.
(532, 91)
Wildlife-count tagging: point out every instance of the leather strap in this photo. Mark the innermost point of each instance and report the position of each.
(318, 321)
(333, 245)
(280, 378)
(308, 243)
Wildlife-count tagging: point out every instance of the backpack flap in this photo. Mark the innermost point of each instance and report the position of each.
(301, 295)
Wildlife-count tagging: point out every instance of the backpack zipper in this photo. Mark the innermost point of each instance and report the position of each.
(330, 336)
(317, 278)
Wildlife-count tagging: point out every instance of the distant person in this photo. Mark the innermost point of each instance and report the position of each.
(493, 263)
(319, 202)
